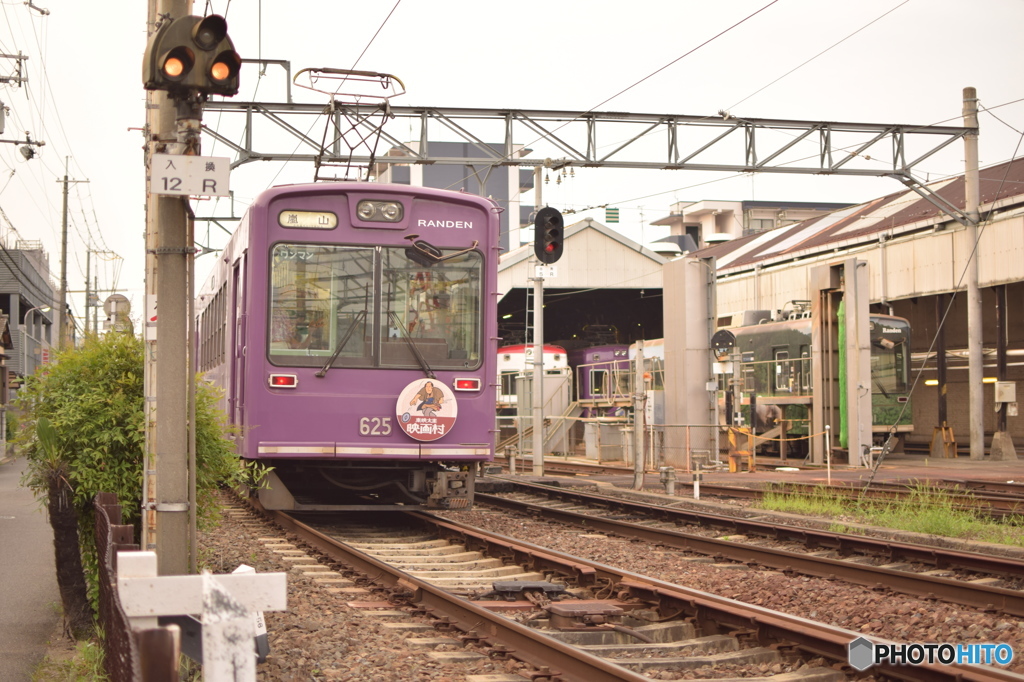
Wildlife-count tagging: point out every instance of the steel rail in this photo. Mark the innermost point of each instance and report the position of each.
(998, 499)
(560, 661)
(956, 591)
(526, 644)
(992, 504)
(844, 543)
(716, 614)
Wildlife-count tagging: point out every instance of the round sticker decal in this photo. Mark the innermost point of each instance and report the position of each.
(426, 409)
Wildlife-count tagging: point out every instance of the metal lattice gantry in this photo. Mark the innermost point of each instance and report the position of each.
(594, 139)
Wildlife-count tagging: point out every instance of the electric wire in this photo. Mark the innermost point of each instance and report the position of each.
(805, 63)
(627, 89)
(40, 108)
(982, 224)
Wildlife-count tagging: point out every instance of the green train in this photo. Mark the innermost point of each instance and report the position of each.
(774, 360)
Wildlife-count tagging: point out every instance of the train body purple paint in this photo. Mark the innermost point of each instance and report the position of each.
(329, 312)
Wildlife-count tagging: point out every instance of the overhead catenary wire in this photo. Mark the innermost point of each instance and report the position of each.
(354, 65)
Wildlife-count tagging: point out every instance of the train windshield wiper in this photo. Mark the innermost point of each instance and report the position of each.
(341, 344)
(881, 388)
(412, 345)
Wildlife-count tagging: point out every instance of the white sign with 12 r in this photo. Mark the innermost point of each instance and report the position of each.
(189, 175)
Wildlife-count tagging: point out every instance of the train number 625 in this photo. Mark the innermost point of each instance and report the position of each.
(375, 426)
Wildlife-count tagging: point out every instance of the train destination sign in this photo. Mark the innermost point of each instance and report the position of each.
(205, 176)
(427, 409)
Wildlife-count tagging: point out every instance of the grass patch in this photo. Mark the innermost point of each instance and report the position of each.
(81, 663)
(924, 510)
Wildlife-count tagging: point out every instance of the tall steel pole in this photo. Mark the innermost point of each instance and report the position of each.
(538, 373)
(538, 346)
(972, 200)
(639, 421)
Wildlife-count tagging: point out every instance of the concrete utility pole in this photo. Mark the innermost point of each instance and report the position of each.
(972, 201)
(62, 316)
(168, 250)
(88, 269)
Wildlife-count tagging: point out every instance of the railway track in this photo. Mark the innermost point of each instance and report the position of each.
(993, 498)
(991, 583)
(573, 619)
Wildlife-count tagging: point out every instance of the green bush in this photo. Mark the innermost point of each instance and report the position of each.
(93, 397)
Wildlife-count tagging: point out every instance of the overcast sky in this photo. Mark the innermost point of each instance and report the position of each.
(875, 61)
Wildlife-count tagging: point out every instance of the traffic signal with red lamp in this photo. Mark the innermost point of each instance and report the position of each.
(547, 235)
(192, 55)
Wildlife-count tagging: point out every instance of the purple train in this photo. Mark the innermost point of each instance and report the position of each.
(602, 379)
(353, 329)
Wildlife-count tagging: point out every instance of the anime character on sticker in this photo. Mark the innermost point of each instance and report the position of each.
(429, 399)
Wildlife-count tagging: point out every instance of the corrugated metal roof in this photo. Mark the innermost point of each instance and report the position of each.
(1002, 186)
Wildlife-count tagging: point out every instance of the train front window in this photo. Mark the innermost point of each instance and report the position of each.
(368, 307)
(889, 367)
(320, 297)
(439, 309)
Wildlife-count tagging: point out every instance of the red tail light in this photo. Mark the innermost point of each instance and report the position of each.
(284, 380)
(467, 384)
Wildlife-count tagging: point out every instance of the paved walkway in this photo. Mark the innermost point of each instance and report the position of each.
(29, 600)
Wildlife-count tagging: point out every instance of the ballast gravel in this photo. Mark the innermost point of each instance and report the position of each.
(324, 636)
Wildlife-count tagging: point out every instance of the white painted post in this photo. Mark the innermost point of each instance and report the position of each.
(227, 604)
(142, 566)
(228, 654)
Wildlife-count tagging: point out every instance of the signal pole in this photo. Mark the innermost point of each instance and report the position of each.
(538, 372)
(547, 246)
(166, 505)
(188, 58)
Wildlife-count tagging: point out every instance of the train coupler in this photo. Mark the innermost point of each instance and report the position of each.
(451, 490)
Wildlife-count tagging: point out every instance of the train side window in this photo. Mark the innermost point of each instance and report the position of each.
(749, 384)
(805, 369)
(783, 370)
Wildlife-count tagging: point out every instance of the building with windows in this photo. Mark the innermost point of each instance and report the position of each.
(710, 222)
(27, 298)
(502, 183)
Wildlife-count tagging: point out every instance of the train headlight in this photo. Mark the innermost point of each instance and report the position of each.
(379, 211)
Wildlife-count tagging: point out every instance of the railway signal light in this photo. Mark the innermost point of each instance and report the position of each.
(192, 55)
(547, 235)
